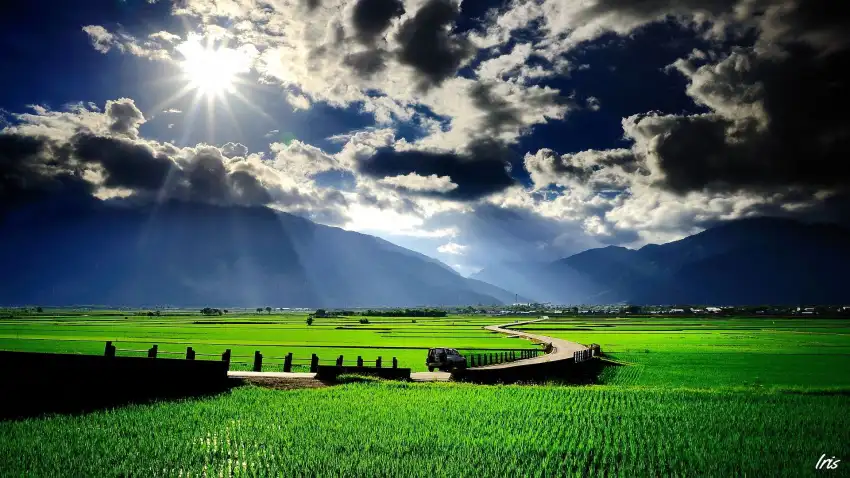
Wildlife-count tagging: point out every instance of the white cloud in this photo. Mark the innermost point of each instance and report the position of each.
(453, 249)
(158, 46)
(299, 102)
(415, 182)
(301, 160)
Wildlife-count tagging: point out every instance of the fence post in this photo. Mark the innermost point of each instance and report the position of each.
(110, 349)
(287, 363)
(378, 362)
(395, 362)
(491, 358)
(152, 351)
(359, 361)
(314, 363)
(339, 361)
(258, 361)
(190, 354)
(472, 360)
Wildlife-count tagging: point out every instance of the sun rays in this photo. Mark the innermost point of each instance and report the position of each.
(212, 73)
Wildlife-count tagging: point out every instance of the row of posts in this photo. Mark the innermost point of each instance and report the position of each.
(378, 362)
(583, 355)
(479, 360)
(258, 358)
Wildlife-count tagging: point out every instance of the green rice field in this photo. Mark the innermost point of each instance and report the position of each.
(689, 397)
(273, 335)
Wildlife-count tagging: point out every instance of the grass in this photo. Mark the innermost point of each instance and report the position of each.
(392, 429)
(711, 353)
(701, 397)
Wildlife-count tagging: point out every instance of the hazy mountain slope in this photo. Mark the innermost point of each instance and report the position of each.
(194, 255)
(502, 295)
(751, 261)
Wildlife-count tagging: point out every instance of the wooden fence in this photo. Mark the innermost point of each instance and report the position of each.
(257, 365)
(584, 355)
(481, 360)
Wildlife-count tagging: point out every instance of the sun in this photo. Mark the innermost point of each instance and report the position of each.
(210, 70)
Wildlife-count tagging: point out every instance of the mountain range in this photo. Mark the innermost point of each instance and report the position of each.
(750, 261)
(194, 255)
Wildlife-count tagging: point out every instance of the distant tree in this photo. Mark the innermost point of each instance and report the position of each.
(413, 321)
(364, 320)
(268, 310)
(634, 309)
(259, 310)
(309, 321)
(150, 314)
(320, 313)
(219, 311)
(226, 311)
(39, 310)
(157, 313)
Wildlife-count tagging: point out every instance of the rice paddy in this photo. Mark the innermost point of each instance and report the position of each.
(697, 397)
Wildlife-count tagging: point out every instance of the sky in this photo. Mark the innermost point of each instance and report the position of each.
(475, 132)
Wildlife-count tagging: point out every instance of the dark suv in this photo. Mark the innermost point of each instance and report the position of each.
(445, 360)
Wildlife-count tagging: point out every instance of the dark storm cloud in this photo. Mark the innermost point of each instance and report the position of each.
(501, 115)
(822, 24)
(34, 167)
(803, 138)
(127, 164)
(367, 63)
(481, 171)
(205, 178)
(777, 124)
(372, 17)
(311, 4)
(428, 46)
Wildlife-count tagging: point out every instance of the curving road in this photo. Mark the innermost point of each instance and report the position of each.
(561, 349)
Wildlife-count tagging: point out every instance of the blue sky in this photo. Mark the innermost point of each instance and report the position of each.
(474, 132)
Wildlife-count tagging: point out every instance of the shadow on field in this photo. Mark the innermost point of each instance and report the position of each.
(561, 372)
(843, 392)
(35, 384)
(33, 399)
